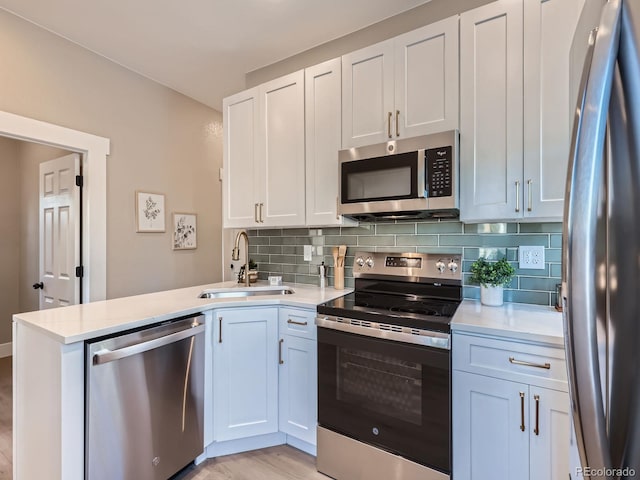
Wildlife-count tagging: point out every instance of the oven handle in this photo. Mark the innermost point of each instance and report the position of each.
(425, 338)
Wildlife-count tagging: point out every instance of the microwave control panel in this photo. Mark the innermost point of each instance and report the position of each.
(439, 171)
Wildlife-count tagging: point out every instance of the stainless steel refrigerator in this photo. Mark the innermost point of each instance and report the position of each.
(601, 244)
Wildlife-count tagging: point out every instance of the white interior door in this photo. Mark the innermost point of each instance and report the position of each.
(59, 232)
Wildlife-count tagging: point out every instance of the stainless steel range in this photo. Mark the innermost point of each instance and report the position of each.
(384, 369)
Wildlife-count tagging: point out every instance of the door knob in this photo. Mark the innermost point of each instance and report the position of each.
(39, 285)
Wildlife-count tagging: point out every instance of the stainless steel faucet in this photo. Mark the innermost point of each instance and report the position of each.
(235, 255)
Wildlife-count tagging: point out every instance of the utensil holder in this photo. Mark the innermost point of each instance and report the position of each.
(338, 278)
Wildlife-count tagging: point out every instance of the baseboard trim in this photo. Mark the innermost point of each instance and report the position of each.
(5, 350)
(229, 447)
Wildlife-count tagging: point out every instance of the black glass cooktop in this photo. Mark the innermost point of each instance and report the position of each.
(427, 307)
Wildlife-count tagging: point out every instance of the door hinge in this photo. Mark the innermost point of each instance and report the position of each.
(79, 181)
(79, 271)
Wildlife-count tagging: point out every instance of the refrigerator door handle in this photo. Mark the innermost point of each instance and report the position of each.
(579, 241)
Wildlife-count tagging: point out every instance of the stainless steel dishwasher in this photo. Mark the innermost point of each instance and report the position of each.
(144, 401)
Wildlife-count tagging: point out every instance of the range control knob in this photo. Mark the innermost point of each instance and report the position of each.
(440, 266)
(369, 262)
(360, 261)
(453, 266)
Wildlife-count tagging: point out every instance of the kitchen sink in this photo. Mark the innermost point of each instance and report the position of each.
(234, 292)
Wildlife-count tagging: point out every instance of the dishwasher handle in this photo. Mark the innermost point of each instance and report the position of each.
(106, 355)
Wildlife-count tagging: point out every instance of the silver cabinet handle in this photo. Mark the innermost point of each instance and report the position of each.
(261, 217)
(337, 208)
(105, 356)
(397, 123)
(517, 195)
(389, 124)
(255, 212)
(529, 188)
(536, 429)
(280, 361)
(220, 327)
(522, 411)
(293, 322)
(546, 366)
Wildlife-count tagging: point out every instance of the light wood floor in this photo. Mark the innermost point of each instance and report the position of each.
(6, 438)
(275, 463)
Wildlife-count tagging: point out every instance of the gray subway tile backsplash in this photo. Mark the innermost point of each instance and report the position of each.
(280, 251)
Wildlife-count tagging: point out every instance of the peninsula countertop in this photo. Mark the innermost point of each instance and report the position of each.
(77, 323)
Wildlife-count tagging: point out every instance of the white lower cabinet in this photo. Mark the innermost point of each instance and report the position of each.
(245, 372)
(508, 426)
(298, 407)
(264, 375)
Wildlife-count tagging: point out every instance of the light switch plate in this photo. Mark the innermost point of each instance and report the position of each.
(531, 257)
(308, 253)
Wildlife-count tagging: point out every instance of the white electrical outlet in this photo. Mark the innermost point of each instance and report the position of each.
(531, 257)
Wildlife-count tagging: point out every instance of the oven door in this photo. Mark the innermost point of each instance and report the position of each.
(388, 394)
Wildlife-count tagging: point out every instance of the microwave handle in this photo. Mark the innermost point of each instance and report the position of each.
(423, 182)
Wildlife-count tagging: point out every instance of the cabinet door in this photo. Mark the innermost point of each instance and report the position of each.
(491, 112)
(281, 141)
(549, 27)
(488, 442)
(298, 414)
(367, 95)
(426, 79)
(240, 185)
(323, 126)
(549, 434)
(245, 367)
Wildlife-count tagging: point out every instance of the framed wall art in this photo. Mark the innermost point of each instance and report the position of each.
(150, 212)
(184, 231)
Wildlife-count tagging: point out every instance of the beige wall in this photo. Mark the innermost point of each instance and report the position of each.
(161, 141)
(9, 235)
(410, 20)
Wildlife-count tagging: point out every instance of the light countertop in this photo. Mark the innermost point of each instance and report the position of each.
(78, 323)
(513, 320)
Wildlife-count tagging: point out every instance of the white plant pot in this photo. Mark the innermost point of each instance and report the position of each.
(491, 296)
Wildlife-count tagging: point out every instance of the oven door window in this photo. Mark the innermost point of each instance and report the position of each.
(380, 383)
(393, 177)
(389, 394)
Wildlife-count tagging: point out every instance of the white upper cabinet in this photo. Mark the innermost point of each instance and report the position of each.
(367, 95)
(491, 111)
(426, 79)
(516, 109)
(548, 104)
(263, 183)
(402, 87)
(240, 192)
(281, 142)
(323, 122)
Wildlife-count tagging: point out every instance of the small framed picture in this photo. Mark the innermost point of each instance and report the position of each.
(184, 231)
(150, 212)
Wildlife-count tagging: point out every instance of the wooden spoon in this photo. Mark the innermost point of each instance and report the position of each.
(334, 250)
(341, 254)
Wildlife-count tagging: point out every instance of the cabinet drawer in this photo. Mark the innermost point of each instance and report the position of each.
(520, 362)
(298, 322)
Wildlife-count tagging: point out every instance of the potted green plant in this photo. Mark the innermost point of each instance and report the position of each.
(492, 277)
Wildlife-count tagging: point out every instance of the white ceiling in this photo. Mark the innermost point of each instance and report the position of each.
(203, 48)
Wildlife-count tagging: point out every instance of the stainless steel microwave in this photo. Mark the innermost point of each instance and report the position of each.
(409, 178)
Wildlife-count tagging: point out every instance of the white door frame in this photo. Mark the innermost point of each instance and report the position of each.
(94, 152)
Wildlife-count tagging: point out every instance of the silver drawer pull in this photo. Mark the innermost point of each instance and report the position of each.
(546, 366)
(293, 322)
